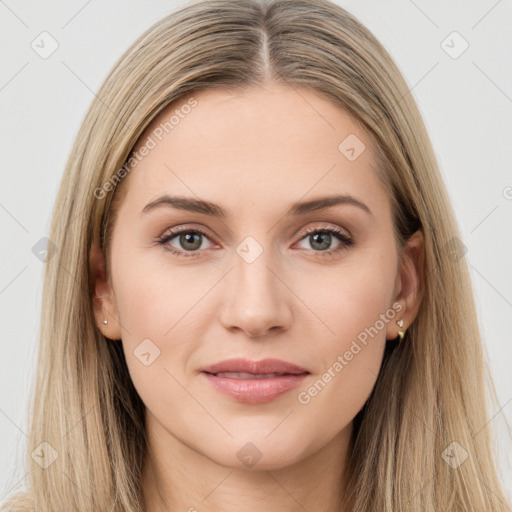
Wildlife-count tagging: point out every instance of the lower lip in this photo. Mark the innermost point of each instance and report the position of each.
(255, 391)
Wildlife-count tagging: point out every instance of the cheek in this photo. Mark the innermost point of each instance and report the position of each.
(355, 305)
(350, 299)
(159, 322)
(152, 313)
(151, 294)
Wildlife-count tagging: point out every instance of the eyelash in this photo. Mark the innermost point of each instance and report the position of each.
(346, 241)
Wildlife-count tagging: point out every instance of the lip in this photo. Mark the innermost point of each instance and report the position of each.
(255, 367)
(257, 390)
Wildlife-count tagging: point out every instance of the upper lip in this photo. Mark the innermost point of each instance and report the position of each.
(263, 366)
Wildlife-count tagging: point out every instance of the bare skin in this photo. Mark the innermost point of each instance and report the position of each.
(253, 153)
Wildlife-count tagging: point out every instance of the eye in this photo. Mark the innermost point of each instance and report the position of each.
(320, 240)
(189, 241)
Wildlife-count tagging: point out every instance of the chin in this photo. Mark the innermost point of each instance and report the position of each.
(260, 453)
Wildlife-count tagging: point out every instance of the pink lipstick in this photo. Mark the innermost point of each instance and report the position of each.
(254, 382)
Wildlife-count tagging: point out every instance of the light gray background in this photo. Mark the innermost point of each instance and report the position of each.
(466, 103)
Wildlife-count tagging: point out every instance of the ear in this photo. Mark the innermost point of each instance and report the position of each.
(409, 283)
(104, 303)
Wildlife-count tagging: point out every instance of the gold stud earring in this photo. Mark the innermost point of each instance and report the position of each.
(401, 333)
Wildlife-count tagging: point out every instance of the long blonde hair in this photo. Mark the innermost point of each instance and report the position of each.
(430, 392)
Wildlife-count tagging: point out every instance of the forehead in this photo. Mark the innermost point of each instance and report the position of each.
(255, 145)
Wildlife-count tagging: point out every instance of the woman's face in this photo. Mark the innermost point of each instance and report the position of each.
(265, 280)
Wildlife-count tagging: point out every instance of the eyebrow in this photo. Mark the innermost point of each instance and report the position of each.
(206, 207)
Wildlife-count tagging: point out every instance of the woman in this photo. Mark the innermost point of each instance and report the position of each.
(258, 301)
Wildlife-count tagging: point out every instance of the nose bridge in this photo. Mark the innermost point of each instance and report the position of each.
(253, 279)
(256, 299)
(251, 266)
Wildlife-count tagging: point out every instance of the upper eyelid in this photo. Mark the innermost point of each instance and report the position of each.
(327, 227)
(176, 230)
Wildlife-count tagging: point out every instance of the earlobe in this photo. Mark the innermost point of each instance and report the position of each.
(104, 305)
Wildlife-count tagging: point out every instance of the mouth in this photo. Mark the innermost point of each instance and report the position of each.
(253, 388)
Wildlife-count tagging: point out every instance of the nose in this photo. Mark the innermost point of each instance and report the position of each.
(257, 301)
